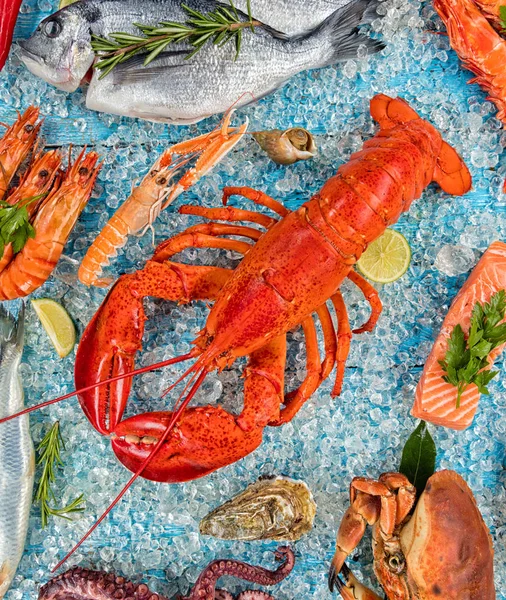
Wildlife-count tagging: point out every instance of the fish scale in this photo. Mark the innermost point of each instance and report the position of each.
(17, 457)
(291, 16)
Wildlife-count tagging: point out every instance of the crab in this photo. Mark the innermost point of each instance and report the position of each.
(436, 548)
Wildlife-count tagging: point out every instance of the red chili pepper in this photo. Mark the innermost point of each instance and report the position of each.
(9, 10)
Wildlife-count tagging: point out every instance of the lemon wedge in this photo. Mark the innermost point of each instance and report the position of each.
(387, 258)
(57, 323)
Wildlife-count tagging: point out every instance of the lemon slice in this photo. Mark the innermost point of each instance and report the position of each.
(64, 3)
(57, 323)
(387, 258)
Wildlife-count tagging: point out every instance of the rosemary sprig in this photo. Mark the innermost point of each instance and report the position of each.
(49, 457)
(220, 27)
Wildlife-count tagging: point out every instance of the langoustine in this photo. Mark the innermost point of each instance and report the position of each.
(435, 547)
(156, 192)
(83, 584)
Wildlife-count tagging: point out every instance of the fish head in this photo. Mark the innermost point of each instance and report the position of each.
(59, 51)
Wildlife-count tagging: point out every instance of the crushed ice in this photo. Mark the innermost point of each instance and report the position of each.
(153, 533)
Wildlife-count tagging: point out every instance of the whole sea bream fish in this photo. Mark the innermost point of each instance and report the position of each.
(17, 459)
(172, 88)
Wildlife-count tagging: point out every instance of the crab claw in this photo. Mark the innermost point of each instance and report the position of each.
(349, 587)
(107, 348)
(206, 438)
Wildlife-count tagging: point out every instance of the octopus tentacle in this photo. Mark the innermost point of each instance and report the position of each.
(205, 587)
(82, 584)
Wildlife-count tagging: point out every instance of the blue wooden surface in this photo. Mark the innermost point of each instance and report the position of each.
(380, 380)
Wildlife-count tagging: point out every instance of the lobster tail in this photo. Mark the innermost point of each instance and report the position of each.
(451, 173)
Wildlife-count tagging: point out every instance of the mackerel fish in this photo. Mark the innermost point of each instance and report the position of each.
(17, 457)
(175, 89)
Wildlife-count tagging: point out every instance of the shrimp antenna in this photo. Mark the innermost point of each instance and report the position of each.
(200, 375)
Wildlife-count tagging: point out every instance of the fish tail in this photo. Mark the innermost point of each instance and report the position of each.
(11, 330)
(341, 29)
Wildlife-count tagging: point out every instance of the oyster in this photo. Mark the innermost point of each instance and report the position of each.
(287, 147)
(275, 508)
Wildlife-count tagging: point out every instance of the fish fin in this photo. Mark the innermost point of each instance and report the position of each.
(134, 71)
(12, 332)
(342, 28)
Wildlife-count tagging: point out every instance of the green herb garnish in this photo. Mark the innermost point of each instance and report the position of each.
(502, 16)
(15, 226)
(49, 457)
(419, 457)
(220, 26)
(465, 359)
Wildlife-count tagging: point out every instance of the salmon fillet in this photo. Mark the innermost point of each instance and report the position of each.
(435, 400)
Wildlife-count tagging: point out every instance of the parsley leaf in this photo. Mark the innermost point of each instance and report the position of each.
(465, 359)
(502, 15)
(15, 226)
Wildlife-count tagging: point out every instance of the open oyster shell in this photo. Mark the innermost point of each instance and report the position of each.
(276, 508)
(287, 147)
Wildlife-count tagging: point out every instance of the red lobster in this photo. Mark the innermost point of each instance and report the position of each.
(287, 274)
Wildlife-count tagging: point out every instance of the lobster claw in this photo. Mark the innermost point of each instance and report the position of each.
(107, 349)
(205, 439)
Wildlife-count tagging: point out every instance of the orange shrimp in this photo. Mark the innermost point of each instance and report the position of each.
(492, 9)
(155, 193)
(479, 46)
(53, 223)
(15, 145)
(38, 181)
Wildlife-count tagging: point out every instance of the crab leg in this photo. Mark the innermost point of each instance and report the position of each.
(352, 589)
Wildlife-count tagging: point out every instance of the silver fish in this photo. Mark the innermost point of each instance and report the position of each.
(171, 88)
(292, 16)
(17, 458)
(274, 508)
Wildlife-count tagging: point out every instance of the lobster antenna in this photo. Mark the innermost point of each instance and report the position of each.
(175, 417)
(165, 363)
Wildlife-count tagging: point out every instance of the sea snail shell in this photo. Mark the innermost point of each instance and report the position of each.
(287, 147)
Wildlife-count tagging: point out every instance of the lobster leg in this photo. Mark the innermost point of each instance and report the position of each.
(228, 214)
(343, 340)
(197, 240)
(317, 371)
(371, 295)
(255, 196)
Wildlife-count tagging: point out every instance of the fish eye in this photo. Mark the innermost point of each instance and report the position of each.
(52, 28)
(396, 563)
